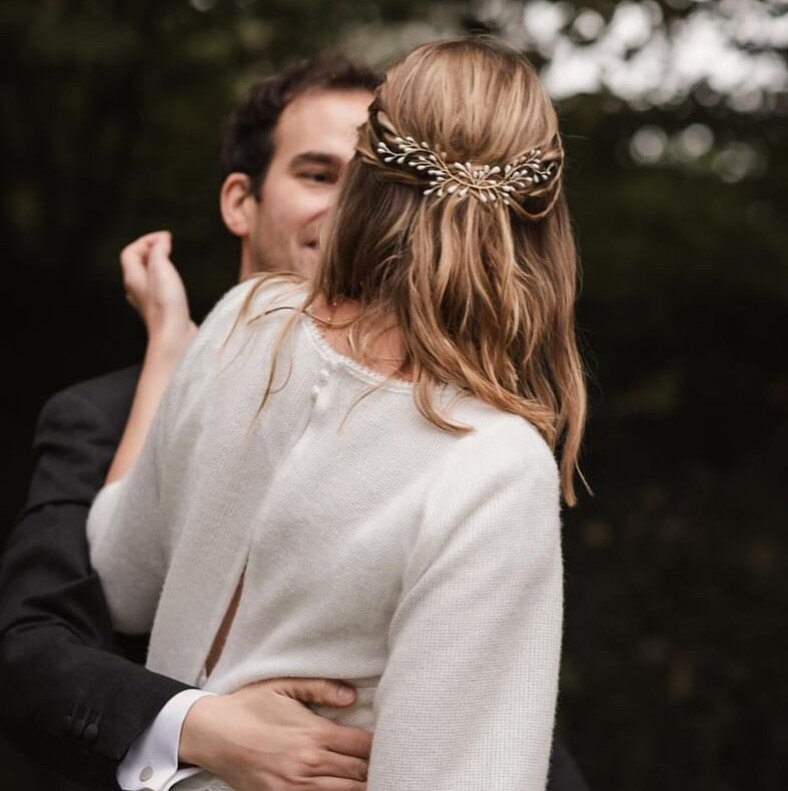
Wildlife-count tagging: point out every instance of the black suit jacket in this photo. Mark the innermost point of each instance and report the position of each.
(69, 698)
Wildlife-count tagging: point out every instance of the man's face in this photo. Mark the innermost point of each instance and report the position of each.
(313, 141)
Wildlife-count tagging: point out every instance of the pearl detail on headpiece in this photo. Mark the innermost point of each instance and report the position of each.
(484, 182)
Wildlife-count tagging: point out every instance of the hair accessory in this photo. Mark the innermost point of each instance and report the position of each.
(485, 182)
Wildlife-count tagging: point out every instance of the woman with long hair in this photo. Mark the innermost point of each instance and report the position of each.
(360, 476)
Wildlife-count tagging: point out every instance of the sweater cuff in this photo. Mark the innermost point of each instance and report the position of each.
(101, 510)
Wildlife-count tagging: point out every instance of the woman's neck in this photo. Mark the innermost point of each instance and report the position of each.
(385, 347)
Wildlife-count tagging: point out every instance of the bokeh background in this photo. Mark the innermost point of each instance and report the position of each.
(675, 116)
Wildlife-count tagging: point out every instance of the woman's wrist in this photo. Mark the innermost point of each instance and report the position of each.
(168, 342)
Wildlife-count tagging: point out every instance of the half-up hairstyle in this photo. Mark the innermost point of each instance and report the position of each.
(482, 288)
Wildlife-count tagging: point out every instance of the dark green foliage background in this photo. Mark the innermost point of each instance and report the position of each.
(673, 672)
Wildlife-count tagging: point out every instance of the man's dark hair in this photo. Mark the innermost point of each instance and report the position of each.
(248, 136)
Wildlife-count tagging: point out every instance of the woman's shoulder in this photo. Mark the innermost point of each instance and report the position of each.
(503, 459)
(251, 299)
(502, 441)
(498, 485)
(263, 292)
(222, 330)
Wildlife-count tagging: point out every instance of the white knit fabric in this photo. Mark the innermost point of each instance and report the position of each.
(420, 565)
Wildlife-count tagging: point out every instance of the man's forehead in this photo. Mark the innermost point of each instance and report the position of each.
(321, 123)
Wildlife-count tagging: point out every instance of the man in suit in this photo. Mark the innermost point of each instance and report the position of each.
(69, 697)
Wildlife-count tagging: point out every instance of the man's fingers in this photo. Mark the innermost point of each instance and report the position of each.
(319, 691)
(343, 766)
(338, 784)
(347, 740)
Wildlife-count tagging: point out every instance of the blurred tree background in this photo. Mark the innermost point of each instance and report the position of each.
(676, 123)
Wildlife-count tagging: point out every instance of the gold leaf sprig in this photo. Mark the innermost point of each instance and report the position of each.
(487, 183)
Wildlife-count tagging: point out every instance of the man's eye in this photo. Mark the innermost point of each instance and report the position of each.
(320, 176)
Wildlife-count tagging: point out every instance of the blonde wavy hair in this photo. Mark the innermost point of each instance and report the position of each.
(482, 292)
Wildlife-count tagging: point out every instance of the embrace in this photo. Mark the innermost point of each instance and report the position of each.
(353, 470)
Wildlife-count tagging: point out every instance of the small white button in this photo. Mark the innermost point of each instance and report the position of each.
(324, 375)
(315, 391)
(146, 773)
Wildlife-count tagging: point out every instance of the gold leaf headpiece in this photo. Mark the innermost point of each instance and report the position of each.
(484, 182)
(524, 176)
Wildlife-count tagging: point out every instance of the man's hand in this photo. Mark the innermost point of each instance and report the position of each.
(262, 738)
(155, 289)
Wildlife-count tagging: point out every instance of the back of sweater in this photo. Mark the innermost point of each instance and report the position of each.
(422, 566)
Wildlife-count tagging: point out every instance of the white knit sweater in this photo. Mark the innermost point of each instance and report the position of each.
(420, 565)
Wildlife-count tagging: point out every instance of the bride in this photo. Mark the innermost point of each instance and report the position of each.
(359, 476)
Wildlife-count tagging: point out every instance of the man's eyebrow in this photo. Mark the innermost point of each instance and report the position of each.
(315, 158)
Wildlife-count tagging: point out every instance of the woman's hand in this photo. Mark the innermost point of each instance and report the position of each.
(155, 289)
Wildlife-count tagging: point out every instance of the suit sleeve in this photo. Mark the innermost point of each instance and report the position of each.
(66, 698)
(467, 698)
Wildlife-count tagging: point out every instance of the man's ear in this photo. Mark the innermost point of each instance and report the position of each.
(237, 204)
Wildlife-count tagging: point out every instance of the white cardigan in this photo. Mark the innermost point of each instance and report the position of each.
(420, 565)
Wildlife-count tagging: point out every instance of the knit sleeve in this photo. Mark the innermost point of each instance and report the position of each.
(467, 698)
(125, 533)
(129, 525)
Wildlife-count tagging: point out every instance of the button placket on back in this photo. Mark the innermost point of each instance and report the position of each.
(317, 390)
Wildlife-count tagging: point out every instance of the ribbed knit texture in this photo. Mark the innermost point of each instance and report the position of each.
(423, 566)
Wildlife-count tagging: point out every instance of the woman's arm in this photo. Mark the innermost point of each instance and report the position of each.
(156, 291)
(125, 530)
(468, 695)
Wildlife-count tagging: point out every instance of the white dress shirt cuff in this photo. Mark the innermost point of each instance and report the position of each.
(151, 764)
